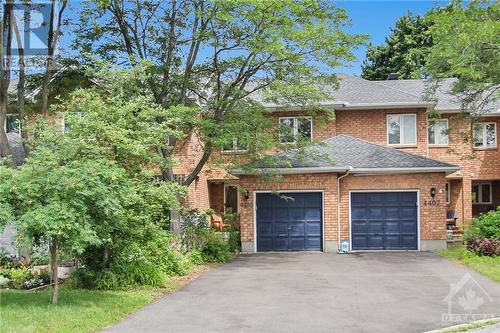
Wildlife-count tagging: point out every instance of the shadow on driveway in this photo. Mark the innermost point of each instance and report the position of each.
(322, 292)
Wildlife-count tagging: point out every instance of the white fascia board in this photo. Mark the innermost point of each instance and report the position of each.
(388, 105)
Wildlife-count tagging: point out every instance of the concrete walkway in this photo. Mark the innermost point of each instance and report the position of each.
(320, 292)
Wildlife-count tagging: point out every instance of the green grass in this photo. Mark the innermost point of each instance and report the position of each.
(77, 310)
(488, 266)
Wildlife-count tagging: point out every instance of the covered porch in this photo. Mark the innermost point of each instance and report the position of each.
(485, 196)
(224, 201)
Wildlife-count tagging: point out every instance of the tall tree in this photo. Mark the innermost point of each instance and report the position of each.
(217, 53)
(404, 51)
(467, 47)
(5, 72)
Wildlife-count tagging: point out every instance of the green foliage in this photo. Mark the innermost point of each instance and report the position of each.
(18, 277)
(77, 310)
(488, 266)
(216, 248)
(487, 225)
(466, 46)
(404, 52)
(143, 257)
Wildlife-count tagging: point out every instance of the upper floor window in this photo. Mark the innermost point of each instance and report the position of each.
(233, 147)
(438, 132)
(485, 135)
(293, 128)
(402, 129)
(12, 123)
(481, 193)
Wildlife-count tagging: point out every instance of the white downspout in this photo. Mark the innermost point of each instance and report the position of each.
(338, 206)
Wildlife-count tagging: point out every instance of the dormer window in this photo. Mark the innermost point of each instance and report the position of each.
(292, 129)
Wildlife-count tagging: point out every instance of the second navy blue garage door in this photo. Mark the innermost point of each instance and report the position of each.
(384, 221)
(289, 222)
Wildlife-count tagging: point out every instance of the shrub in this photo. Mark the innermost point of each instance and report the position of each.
(19, 277)
(216, 248)
(146, 260)
(484, 246)
(487, 225)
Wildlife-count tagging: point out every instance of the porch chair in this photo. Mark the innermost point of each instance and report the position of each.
(218, 222)
(451, 219)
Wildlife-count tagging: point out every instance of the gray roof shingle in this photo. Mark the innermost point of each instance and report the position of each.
(357, 92)
(345, 152)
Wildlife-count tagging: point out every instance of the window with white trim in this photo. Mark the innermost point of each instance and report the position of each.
(12, 123)
(485, 135)
(292, 129)
(447, 189)
(233, 147)
(481, 193)
(402, 129)
(438, 132)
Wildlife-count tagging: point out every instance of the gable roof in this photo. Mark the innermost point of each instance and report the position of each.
(342, 153)
(355, 92)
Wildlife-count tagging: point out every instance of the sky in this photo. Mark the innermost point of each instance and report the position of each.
(376, 18)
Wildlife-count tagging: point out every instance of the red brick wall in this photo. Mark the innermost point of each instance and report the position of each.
(371, 125)
(432, 218)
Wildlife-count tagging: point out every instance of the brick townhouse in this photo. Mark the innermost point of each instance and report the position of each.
(392, 179)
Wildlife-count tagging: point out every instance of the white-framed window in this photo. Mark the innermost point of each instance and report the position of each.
(438, 132)
(481, 193)
(447, 189)
(402, 129)
(485, 135)
(234, 147)
(293, 128)
(12, 123)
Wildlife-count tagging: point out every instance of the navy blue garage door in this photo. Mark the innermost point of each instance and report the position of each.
(384, 221)
(289, 222)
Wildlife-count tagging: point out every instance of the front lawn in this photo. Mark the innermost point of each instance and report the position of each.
(488, 266)
(77, 311)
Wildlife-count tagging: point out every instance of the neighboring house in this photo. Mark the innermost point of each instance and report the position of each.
(395, 179)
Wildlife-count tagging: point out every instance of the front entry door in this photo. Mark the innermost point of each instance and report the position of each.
(230, 199)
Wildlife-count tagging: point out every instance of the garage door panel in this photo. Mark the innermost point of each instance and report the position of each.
(296, 221)
(313, 228)
(296, 213)
(265, 229)
(384, 220)
(297, 229)
(297, 243)
(265, 243)
(280, 229)
(312, 214)
(279, 244)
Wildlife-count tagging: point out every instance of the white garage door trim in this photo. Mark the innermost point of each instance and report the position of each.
(254, 220)
(419, 236)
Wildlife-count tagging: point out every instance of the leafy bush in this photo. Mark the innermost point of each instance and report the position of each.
(484, 246)
(487, 225)
(18, 277)
(148, 259)
(216, 248)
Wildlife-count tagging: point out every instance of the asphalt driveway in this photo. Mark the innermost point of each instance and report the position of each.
(320, 292)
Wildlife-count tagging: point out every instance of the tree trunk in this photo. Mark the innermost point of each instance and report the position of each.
(105, 257)
(5, 63)
(23, 117)
(53, 269)
(175, 221)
